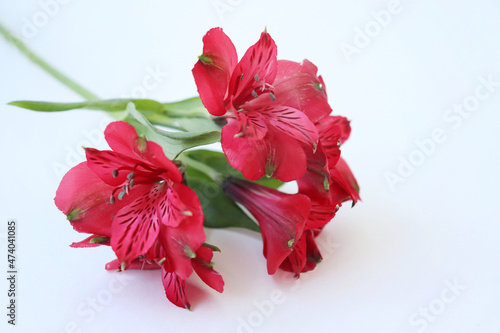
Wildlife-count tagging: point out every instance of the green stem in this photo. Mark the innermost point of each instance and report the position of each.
(46, 66)
(213, 174)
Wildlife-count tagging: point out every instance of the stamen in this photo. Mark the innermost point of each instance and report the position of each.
(112, 199)
(115, 173)
(121, 195)
(130, 175)
(241, 77)
(131, 184)
(256, 77)
(271, 95)
(254, 94)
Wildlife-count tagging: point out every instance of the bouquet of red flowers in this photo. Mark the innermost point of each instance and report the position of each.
(150, 196)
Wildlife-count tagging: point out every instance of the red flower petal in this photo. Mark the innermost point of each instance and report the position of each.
(122, 139)
(322, 212)
(248, 156)
(87, 242)
(316, 180)
(203, 267)
(334, 125)
(344, 186)
(280, 237)
(175, 289)
(277, 154)
(298, 86)
(306, 258)
(84, 198)
(281, 217)
(255, 72)
(182, 241)
(104, 163)
(296, 260)
(287, 160)
(212, 72)
(252, 125)
(137, 225)
(291, 122)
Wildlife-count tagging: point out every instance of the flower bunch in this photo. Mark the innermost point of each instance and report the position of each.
(147, 198)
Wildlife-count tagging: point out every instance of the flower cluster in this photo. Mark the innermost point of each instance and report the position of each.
(278, 125)
(273, 120)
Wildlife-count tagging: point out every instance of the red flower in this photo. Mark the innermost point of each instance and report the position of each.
(132, 199)
(268, 105)
(328, 182)
(281, 217)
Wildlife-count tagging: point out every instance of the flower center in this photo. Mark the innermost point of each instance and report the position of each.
(130, 182)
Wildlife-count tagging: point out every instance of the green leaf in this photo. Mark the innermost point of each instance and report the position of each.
(219, 210)
(173, 143)
(188, 115)
(110, 105)
(218, 162)
(188, 107)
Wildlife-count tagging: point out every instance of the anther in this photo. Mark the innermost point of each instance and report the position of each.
(130, 175)
(131, 184)
(112, 199)
(254, 94)
(121, 195)
(339, 143)
(256, 77)
(241, 77)
(115, 173)
(271, 95)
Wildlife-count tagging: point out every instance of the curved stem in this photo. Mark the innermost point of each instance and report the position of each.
(46, 66)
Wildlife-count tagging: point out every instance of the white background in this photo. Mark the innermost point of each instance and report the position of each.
(387, 262)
